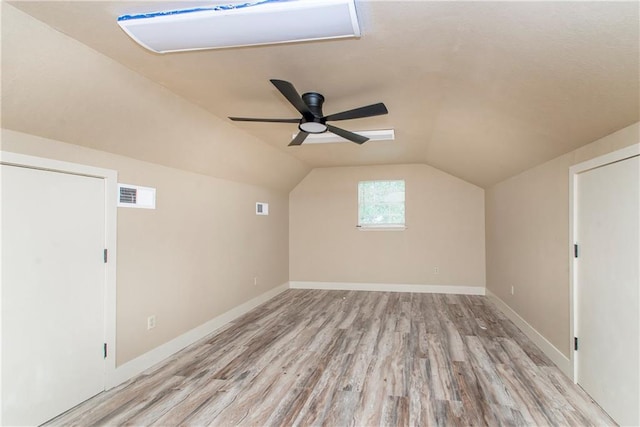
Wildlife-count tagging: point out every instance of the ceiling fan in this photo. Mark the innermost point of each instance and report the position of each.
(313, 120)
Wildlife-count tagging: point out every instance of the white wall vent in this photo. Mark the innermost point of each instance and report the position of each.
(134, 196)
(262, 208)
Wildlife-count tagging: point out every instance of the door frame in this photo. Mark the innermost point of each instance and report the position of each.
(574, 172)
(110, 178)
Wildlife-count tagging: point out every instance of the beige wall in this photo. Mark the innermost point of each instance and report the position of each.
(192, 258)
(527, 226)
(196, 255)
(56, 87)
(445, 228)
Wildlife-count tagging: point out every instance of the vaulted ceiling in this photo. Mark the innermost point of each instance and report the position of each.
(481, 90)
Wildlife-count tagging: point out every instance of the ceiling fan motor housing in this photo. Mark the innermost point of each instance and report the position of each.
(314, 122)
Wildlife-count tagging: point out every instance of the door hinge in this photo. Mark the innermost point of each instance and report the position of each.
(575, 250)
(105, 350)
(105, 255)
(575, 343)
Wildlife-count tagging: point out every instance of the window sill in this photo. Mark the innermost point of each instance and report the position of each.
(381, 227)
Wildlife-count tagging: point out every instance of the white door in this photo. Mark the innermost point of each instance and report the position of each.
(53, 292)
(607, 292)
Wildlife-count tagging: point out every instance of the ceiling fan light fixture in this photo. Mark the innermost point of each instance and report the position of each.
(312, 127)
(257, 22)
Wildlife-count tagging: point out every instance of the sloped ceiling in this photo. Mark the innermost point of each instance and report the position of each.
(481, 90)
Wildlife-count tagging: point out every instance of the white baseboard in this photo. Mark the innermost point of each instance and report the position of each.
(543, 344)
(143, 362)
(389, 287)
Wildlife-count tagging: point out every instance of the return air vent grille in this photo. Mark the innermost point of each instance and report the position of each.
(134, 196)
(128, 195)
(262, 208)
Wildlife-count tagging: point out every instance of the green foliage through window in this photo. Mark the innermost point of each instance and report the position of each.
(381, 203)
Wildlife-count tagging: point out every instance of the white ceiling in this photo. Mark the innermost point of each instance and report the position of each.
(482, 90)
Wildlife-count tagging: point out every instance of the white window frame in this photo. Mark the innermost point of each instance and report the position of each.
(383, 226)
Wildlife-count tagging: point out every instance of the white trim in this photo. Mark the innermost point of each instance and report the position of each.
(543, 344)
(389, 287)
(574, 171)
(141, 363)
(111, 182)
(605, 159)
(385, 227)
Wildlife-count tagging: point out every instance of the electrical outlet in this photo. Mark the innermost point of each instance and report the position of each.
(151, 322)
(436, 270)
(512, 290)
(255, 281)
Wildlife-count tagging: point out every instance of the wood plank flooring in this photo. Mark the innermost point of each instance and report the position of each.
(346, 358)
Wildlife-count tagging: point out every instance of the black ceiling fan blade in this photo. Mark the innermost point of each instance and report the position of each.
(354, 137)
(292, 96)
(299, 139)
(358, 113)
(251, 119)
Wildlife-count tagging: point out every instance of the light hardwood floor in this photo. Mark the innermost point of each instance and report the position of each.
(340, 358)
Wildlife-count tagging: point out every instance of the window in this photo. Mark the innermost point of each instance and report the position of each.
(381, 204)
